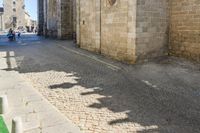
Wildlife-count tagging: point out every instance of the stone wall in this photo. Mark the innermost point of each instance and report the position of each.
(107, 29)
(67, 18)
(52, 17)
(185, 29)
(89, 24)
(1, 22)
(74, 17)
(58, 18)
(14, 10)
(45, 32)
(8, 14)
(65, 23)
(20, 13)
(127, 30)
(152, 28)
(118, 29)
(40, 17)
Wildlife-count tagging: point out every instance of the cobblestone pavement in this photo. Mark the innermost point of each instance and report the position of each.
(36, 113)
(101, 95)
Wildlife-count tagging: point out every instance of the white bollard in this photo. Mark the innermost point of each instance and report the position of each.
(17, 125)
(3, 104)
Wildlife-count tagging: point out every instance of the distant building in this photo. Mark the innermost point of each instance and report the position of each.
(28, 21)
(1, 18)
(14, 14)
(30, 24)
(33, 25)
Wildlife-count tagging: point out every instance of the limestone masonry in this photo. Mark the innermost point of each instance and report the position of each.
(14, 14)
(56, 18)
(126, 30)
(185, 29)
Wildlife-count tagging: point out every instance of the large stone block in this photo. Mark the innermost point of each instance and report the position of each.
(57, 18)
(14, 14)
(152, 28)
(185, 29)
(107, 27)
(127, 30)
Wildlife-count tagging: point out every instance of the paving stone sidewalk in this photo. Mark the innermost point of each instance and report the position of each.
(37, 114)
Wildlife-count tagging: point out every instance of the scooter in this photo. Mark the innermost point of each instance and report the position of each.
(11, 37)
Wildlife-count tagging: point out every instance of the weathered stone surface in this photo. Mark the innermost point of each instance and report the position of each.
(127, 30)
(11, 10)
(66, 19)
(152, 28)
(56, 18)
(89, 35)
(107, 29)
(40, 17)
(117, 29)
(185, 29)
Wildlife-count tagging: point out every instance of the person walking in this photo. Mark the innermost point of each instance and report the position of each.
(19, 35)
(14, 36)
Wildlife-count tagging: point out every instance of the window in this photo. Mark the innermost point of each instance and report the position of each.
(14, 19)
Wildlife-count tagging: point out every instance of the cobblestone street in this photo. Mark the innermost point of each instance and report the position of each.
(101, 95)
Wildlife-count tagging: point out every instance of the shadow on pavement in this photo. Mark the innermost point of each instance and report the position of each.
(173, 105)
